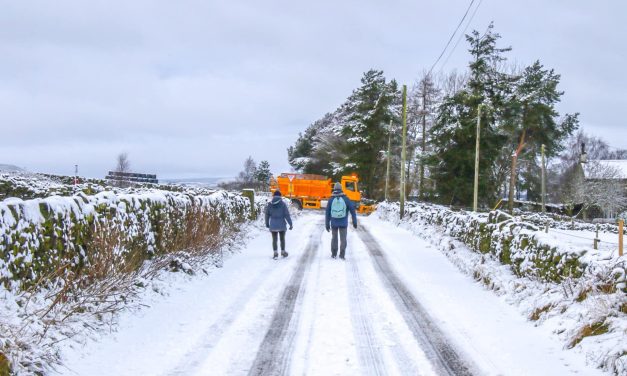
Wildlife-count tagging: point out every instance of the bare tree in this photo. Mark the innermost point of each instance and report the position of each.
(452, 83)
(123, 164)
(604, 188)
(247, 176)
(424, 100)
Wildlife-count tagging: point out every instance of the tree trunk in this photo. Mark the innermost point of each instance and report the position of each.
(424, 142)
(409, 181)
(512, 183)
(512, 177)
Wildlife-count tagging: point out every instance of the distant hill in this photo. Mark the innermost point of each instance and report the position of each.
(197, 182)
(10, 168)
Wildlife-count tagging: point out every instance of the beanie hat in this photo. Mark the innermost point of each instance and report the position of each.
(337, 187)
(277, 193)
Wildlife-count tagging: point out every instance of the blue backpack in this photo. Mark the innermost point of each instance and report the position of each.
(338, 208)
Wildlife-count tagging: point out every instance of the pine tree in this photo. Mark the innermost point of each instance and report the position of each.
(263, 174)
(533, 122)
(304, 156)
(365, 118)
(454, 133)
(352, 139)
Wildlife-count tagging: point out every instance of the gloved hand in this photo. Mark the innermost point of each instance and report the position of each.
(328, 228)
(354, 225)
(290, 227)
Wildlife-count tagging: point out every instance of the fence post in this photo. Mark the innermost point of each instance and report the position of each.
(596, 237)
(250, 193)
(620, 237)
(546, 227)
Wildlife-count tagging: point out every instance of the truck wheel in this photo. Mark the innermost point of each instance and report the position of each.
(298, 204)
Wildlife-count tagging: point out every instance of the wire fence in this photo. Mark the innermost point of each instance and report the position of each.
(550, 222)
(592, 240)
(583, 237)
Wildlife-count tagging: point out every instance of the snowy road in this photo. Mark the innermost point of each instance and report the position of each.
(396, 306)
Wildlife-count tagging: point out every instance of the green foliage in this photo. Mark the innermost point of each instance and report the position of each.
(366, 114)
(454, 134)
(518, 115)
(263, 174)
(518, 109)
(302, 156)
(350, 139)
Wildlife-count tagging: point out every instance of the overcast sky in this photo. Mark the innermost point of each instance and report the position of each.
(191, 88)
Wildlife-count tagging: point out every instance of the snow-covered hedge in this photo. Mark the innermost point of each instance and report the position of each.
(29, 186)
(512, 241)
(39, 236)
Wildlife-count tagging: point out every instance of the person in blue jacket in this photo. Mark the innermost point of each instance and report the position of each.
(336, 219)
(277, 215)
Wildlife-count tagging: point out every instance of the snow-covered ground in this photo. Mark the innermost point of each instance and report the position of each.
(585, 310)
(397, 305)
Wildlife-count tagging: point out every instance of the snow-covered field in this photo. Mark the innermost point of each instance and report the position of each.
(397, 305)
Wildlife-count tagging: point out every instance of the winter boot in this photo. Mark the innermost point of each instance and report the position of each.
(283, 253)
(276, 255)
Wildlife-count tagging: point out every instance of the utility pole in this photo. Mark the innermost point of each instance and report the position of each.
(424, 139)
(403, 152)
(75, 175)
(543, 180)
(475, 196)
(387, 172)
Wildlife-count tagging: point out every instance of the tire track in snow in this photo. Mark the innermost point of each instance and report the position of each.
(212, 335)
(368, 346)
(191, 361)
(431, 339)
(359, 304)
(275, 349)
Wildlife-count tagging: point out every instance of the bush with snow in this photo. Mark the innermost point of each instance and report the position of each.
(69, 264)
(38, 236)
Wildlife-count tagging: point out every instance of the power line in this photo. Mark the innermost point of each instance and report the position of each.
(452, 36)
(472, 16)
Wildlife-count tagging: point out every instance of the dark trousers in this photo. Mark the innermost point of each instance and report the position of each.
(334, 232)
(280, 234)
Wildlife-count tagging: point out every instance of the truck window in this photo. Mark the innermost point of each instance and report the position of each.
(350, 186)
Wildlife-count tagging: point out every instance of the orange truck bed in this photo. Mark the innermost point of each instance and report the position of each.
(308, 190)
(304, 186)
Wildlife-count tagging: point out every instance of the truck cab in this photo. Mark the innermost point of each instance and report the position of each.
(350, 188)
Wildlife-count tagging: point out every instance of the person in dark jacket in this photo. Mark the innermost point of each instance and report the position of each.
(277, 215)
(336, 219)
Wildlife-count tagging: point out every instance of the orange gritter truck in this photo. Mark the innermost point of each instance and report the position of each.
(309, 191)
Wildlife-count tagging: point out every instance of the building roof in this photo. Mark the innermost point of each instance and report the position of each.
(605, 169)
